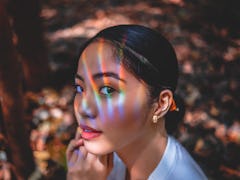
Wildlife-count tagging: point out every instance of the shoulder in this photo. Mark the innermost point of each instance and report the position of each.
(177, 163)
(186, 167)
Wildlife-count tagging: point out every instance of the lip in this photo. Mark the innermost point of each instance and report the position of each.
(89, 133)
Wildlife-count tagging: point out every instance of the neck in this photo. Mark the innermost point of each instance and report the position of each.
(143, 155)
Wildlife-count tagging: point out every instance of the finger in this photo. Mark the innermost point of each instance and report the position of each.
(79, 143)
(73, 145)
(70, 149)
(78, 133)
(72, 159)
(75, 153)
(83, 153)
(70, 146)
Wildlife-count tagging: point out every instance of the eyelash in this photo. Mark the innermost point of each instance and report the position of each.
(108, 94)
(80, 90)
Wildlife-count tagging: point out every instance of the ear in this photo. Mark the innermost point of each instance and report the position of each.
(164, 103)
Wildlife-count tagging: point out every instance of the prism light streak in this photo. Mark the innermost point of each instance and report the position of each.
(102, 68)
(122, 94)
(120, 102)
(93, 84)
(140, 90)
(139, 93)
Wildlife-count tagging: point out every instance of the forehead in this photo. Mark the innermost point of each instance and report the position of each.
(99, 56)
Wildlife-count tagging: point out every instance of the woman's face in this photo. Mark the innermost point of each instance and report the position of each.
(111, 105)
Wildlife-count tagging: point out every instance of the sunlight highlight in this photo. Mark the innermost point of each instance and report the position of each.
(93, 84)
(102, 68)
(122, 94)
(139, 95)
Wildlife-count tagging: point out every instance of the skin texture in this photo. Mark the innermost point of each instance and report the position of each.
(112, 101)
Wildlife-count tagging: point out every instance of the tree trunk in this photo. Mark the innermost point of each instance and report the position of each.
(11, 99)
(28, 28)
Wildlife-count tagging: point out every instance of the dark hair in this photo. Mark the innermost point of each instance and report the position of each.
(145, 53)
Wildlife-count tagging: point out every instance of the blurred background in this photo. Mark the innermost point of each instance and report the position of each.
(39, 43)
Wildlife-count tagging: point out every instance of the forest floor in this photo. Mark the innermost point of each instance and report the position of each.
(209, 57)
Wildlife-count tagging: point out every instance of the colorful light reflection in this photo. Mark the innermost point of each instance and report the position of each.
(102, 68)
(98, 99)
(94, 86)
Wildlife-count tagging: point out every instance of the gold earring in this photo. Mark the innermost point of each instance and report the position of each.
(155, 119)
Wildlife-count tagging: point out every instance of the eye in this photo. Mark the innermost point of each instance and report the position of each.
(78, 89)
(107, 91)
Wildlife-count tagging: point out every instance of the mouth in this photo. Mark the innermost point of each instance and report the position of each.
(89, 133)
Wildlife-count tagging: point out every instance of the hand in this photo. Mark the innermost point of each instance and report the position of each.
(84, 165)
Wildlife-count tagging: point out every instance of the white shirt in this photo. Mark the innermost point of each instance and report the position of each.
(176, 164)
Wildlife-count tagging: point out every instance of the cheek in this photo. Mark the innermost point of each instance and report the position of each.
(75, 107)
(123, 110)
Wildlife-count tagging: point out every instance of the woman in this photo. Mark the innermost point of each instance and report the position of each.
(125, 82)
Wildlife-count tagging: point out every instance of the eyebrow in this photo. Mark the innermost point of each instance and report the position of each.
(77, 76)
(101, 75)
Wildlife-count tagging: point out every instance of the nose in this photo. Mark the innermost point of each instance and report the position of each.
(85, 106)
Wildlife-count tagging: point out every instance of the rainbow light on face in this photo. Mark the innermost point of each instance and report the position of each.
(122, 94)
(102, 64)
(120, 102)
(139, 91)
(93, 84)
(139, 96)
(102, 68)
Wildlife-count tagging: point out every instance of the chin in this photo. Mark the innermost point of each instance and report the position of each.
(97, 148)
